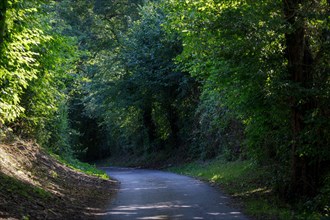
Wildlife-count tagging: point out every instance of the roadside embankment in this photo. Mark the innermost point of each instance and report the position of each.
(35, 185)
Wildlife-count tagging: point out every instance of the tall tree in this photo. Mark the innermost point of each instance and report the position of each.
(268, 61)
(301, 69)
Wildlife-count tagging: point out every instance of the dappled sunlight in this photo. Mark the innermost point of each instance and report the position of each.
(161, 217)
(135, 208)
(120, 213)
(147, 194)
(17, 160)
(13, 165)
(144, 188)
(135, 211)
(216, 177)
(223, 213)
(151, 206)
(263, 190)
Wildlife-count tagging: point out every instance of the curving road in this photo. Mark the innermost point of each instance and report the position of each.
(149, 194)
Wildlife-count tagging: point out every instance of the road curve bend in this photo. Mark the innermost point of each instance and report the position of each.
(150, 194)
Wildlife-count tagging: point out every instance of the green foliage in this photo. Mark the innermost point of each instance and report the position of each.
(239, 49)
(36, 66)
(153, 83)
(18, 64)
(218, 131)
(93, 24)
(140, 95)
(202, 78)
(236, 56)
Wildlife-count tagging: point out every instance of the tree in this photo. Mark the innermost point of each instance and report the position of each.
(302, 69)
(17, 63)
(35, 64)
(263, 65)
(138, 93)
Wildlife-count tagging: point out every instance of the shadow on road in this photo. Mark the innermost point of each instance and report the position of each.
(149, 194)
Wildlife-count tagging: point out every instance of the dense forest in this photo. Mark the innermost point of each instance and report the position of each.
(182, 79)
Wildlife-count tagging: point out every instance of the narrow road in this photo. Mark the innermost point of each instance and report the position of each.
(149, 194)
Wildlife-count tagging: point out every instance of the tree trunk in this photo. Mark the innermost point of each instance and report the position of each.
(173, 121)
(149, 123)
(3, 10)
(299, 69)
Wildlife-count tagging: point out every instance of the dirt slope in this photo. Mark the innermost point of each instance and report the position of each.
(33, 185)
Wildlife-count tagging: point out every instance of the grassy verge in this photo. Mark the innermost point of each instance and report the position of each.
(248, 185)
(34, 185)
(80, 166)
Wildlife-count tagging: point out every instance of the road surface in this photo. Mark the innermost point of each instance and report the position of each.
(149, 194)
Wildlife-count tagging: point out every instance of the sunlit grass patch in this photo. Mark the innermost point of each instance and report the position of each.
(248, 184)
(223, 173)
(261, 190)
(82, 167)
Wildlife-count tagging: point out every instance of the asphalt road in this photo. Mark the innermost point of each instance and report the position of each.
(149, 194)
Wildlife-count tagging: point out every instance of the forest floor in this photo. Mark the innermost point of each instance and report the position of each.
(35, 185)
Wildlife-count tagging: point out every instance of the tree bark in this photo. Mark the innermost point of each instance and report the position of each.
(3, 10)
(149, 123)
(173, 121)
(300, 73)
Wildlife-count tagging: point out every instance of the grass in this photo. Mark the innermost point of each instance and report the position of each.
(80, 166)
(248, 184)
